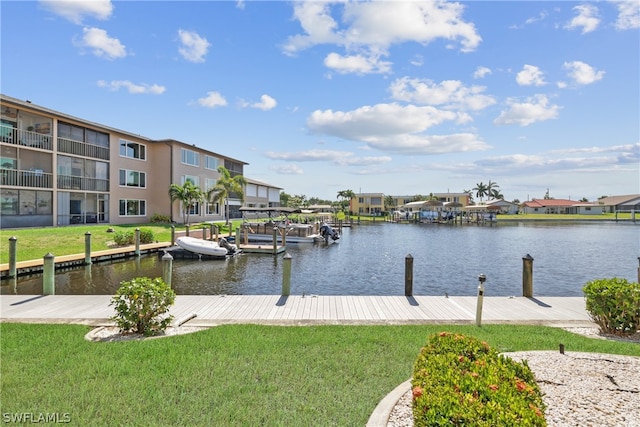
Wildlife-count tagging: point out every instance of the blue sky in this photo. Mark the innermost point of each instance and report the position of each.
(402, 98)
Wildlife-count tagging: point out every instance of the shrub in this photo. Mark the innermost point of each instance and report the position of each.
(460, 381)
(158, 218)
(141, 305)
(146, 235)
(124, 238)
(614, 305)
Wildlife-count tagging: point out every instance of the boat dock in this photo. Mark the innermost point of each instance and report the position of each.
(212, 310)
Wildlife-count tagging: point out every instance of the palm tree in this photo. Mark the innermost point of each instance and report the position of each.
(225, 187)
(470, 193)
(481, 190)
(492, 188)
(188, 194)
(345, 195)
(389, 203)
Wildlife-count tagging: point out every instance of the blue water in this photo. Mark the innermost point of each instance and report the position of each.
(370, 260)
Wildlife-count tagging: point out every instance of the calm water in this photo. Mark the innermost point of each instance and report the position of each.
(370, 260)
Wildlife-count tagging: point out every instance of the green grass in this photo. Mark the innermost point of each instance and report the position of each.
(234, 375)
(35, 243)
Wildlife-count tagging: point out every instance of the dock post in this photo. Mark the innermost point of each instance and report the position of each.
(173, 235)
(49, 275)
(186, 230)
(137, 242)
(211, 231)
(204, 233)
(167, 266)
(286, 275)
(527, 276)
(13, 241)
(275, 240)
(87, 248)
(217, 231)
(408, 276)
(639, 269)
(481, 279)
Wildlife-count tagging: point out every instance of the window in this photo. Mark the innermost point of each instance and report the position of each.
(194, 179)
(194, 209)
(189, 157)
(130, 207)
(130, 178)
(211, 162)
(133, 150)
(9, 202)
(212, 209)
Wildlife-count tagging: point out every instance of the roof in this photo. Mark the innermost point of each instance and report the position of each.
(264, 184)
(544, 203)
(617, 200)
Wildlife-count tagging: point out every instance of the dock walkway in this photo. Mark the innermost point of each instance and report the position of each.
(211, 310)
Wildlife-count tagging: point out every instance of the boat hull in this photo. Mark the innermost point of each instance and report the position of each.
(199, 246)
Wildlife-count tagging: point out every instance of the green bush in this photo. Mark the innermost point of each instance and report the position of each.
(158, 218)
(127, 238)
(461, 381)
(614, 305)
(146, 236)
(124, 238)
(141, 306)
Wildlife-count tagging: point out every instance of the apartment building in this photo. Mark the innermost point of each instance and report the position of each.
(56, 169)
(367, 204)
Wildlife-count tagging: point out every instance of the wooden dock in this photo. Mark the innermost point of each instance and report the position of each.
(76, 260)
(211, 310)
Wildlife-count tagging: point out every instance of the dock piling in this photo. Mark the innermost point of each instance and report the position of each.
(13, 244)
(49, 275)
(408, 276)
(527, 276)
(481, 279)
(167, 266)
(87, 248)
(286, 275)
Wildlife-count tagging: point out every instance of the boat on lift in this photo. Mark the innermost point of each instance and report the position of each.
(260, 227)
(222, 248)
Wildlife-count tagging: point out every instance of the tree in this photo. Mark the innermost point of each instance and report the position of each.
(481, 190)
(389, 203)
(226, 185)
(492, 190)
(345, 196)
(188, 194)
(470, 194)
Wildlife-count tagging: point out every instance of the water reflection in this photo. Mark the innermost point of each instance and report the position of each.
(370, 260)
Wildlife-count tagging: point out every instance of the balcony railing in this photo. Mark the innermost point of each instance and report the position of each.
(82, 149)
(27, 138)
(26, 178)
(69, 182)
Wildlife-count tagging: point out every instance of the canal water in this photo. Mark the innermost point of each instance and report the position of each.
(370, 259)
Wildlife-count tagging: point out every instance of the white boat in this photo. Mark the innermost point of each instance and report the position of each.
(222, 248)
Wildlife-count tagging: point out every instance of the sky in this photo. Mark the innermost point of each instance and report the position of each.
(394, 97)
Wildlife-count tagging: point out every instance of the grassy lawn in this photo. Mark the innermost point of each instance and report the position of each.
(234, 375)
(35, 243)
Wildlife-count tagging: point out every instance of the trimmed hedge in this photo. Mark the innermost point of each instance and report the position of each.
(461, 381)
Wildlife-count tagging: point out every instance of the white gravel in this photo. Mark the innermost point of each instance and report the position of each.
(579, 389)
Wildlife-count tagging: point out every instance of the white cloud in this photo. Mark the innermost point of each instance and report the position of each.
(287, 169)
(535, 109)
(586, 18)
(266, 103)
(194, 48)
(76, 10)
(115, 85)
(481, 72)
(530, 76)
(212, 100)
(394, 128)
(581, 73)
(340, 158)
(99, 42)
(628, 14)
(370, 28)
(449, 93)
(358, 64)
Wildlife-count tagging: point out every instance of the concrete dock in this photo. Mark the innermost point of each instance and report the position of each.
(211, 310)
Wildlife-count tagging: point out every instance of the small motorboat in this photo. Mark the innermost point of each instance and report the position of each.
(221, 248)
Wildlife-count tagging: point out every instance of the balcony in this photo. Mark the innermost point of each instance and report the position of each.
(34, 178)
(82, 149)
(70, 182)
(26, 138)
